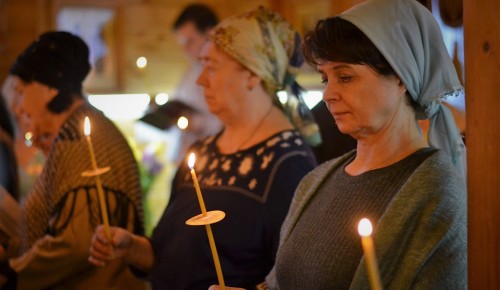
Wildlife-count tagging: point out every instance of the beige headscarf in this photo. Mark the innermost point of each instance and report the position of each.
(265, 43)
(262, 41)
(408, 36)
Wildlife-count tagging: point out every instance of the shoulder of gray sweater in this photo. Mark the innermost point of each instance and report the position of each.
(437, 173)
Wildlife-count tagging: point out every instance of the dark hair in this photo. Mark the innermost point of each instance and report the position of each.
(336, 39)
(61, 102)
(201, 15)
(57, 59)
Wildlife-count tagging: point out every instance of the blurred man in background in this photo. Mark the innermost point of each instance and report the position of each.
(191, 29)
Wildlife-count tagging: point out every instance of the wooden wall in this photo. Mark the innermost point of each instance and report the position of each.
(482, 71)
(142, 28)
(19, 25)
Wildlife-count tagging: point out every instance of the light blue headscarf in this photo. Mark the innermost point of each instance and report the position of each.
(408, 36)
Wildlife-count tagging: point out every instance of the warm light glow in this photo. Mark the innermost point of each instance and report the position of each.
(27, 139)
(86, 126)
(182, 122)
(131, 106)
(282, 96)
(365, 227)
(161, 99)
(141, 62)
(312, 98)
(191, 160)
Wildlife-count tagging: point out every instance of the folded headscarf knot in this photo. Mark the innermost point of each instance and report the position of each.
(428, 110)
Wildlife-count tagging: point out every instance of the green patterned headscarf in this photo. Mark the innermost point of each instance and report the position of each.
(263, 42)
(408, 36)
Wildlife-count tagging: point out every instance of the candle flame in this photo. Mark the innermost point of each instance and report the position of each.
(86, 127)
(365, 227)
(191, 160)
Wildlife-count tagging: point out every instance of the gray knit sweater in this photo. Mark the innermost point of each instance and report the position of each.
(420, 238)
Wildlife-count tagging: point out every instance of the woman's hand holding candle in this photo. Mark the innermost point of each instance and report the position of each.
(102, 200)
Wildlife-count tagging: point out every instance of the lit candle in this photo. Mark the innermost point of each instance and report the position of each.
(211, 240)
(365, 231)
(191, 161)
(102, 201)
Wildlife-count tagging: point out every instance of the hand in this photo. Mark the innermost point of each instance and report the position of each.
(217, 287)
(102, 250)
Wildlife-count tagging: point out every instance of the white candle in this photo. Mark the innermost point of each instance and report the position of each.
(191, 161)
(210, 235)
(365, 231)
(102, 200)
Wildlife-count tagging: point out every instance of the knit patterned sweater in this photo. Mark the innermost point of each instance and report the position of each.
(420, 233)
(61, 213)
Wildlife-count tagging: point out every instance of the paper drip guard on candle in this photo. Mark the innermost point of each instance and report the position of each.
(96, 173)
(206, 218)
(211, 217)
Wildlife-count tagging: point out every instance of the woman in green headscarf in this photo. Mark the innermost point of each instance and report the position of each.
(384, 65)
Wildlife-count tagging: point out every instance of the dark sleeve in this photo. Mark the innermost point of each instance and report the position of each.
(8, 170)
(145, 275)
(288, 175)
(139, 273)
(8, 164)
(3, 166)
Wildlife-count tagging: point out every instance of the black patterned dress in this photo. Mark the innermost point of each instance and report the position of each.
(254, 187)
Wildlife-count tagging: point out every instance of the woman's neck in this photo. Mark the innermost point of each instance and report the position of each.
(256, 127)
(384, 149)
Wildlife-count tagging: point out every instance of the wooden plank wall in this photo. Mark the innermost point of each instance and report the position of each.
(19, 25)
(143, 29)
(482, 71)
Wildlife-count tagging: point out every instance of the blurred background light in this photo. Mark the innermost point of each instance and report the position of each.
(121, 106)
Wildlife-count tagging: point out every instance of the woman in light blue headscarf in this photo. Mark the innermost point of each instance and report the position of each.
(384, 65)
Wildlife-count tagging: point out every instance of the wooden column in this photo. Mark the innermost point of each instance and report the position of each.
(339, 6)
(482, 83)
(18, 20)
(283, 7)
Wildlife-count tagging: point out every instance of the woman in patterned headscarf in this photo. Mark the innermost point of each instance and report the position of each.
(384, 64)
(249, 170)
